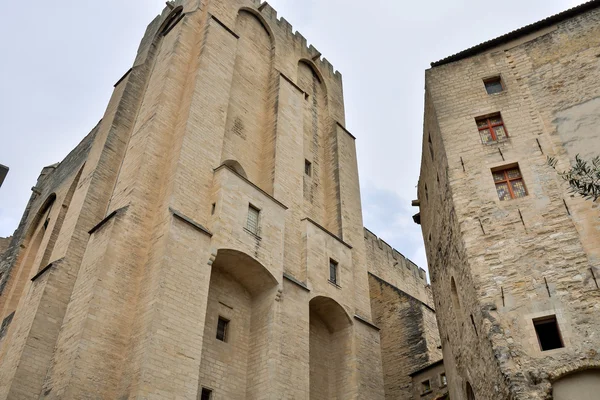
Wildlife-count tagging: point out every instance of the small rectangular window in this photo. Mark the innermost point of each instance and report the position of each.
(491, 129)
(206, 394)
(253, 219)
(333, 271)
(222, 326)
(307, 168)
(426, 386)
(509, 183)
(493, 85)
(212, 210)
(548, 333)
(443, 379)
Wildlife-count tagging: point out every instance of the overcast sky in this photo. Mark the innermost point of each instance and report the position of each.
(61, 59)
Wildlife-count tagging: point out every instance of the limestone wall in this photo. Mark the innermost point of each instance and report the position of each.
(497, 265)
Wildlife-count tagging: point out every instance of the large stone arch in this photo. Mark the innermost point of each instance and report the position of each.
(581, 385)
(250, 124)
(321, 188)
(243, 293)
(28, 259)
(330, 339)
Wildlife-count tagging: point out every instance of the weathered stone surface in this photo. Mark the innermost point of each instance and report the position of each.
(498, 265)
(134, 247)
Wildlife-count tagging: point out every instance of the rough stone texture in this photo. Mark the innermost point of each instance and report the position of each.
(432, 373)
(4, 243)
(132, 247)
(495, 266)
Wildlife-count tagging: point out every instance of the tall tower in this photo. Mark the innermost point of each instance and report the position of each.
(514, 257)
(205, 240)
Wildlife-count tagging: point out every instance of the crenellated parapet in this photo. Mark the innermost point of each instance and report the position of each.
(392, 266)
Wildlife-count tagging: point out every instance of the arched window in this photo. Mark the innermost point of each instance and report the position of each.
(470, 392)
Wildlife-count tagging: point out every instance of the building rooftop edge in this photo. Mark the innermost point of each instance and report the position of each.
(527, 29)
(425, 368)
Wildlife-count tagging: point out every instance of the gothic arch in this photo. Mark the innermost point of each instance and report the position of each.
(241, 302)
(170, 21)
(310, 64)
(331, 312)
(236, 166)
(250, 126)
(26, 261)
(580, 384)
(330, 341)
(262, 21)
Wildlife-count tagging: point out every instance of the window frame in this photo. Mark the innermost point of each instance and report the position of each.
(493, 79)
(225, 336)
(426, 386)
(251, 208)
(537, 322)
(490, 126)
(336, 269)
(307, 168)
(509, 181)
(443, 379)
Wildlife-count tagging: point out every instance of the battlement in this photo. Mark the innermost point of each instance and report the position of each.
(400, 261)
(310, 52)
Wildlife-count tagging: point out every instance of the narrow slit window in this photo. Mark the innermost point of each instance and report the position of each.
(307, 168)
(333, 271)
(206, 394)
(212, 210)
(431, 147)
(509, 183)
(491, 129)
(548, 333)
(426, 386)
(253, 219)
(493, 85)
(222, 328)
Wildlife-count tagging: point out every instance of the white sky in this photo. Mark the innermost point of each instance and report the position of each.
(61, 59)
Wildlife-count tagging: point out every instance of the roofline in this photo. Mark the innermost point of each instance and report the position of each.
(425, 368)
(526, 30)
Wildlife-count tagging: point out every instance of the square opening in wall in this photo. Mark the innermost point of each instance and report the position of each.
(307, 168)
(443, 380)
(206, 394)
(548, 333)
(426, 386)
(493, 85)
(222, 328)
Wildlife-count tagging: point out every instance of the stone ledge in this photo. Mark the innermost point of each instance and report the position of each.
(123, 77)
(295, 281)
(292, 83)
(45, 269)
(225, 27)
(366, 322)
(190, 221)
(223, 166)
(327, 232)
(345, 130)
(106, 219)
